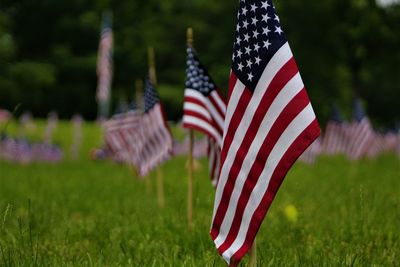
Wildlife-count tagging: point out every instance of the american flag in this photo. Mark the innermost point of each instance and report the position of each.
(154, 142)
(204, 109)
(310, 154)
(335, 138)
(105, 61)
(360, 133)
(268, 124)
(120, 134)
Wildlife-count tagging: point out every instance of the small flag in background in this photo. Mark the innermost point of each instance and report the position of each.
(154, 141)
(360, 133)
(268, 124)
(310, 154)
(52, 122)
(120, 135)
(105, 61)
(335, 138)
(204, 109)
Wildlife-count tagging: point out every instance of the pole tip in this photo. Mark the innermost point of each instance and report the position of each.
(189, 35)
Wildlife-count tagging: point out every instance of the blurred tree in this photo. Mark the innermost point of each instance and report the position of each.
(48, 51)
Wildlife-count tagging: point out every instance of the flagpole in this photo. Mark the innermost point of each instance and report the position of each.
(253, 255)
(153, 79)
(190, 156)
(140, 109)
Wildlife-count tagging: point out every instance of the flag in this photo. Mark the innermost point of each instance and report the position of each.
(154, 142)
(121, 133)
(335, 138)
(310, 154)
(360, 133)
(268, 124)
(105, 61)
(204, 108)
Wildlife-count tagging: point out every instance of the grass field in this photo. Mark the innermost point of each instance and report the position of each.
(87, 213)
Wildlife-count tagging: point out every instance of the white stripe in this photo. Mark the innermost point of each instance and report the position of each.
(233, 103)
(215, 114)
(281, 57)
(221, 104)
(291, 89)
(296, 127)
(212, 111)
(206, 126)
(193, 107)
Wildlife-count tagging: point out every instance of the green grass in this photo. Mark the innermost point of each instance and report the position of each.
(87, 213)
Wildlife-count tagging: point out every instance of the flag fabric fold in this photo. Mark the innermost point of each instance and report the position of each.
(268, 124)
(204, 109)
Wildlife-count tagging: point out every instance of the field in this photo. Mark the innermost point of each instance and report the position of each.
(91, 213)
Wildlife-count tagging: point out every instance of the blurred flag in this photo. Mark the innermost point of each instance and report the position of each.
(105, 64)
(121, 133)
(310, 154)
(360, 133)
(382, 143)
(335, 137)
(204, 109)
(154, 143)
(268, 124)
(52, 121)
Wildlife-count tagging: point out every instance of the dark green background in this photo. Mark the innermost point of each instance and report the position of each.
(48, 51)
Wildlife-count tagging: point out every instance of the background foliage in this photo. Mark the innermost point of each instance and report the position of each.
(48, 51)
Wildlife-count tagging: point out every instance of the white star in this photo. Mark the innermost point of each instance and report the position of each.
(246, 37)
(267, 44)
(249, 63)
(239, 53)
(248, 50)
(266, 31)
(255, 34)
(233, 56)
(256, 47)
(237, 27)
(278, 30)
(258, 60)
(244, 11)
(253, 7)
(266, 17)
(277, 18)
(245, 24)
(265, 5)
(250, 77)
(254, 21)
(240, 66)
(238, 40)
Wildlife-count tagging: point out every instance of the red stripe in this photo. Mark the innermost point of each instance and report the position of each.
(295, 150)
(211, 123)
(232, 82)
(216, 106)
(235, 121)
(290, 112)
(284, 75)
(194, 100)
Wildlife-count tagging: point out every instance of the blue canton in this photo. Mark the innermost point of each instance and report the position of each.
(150, 96)
(197, 77)
(258, 37)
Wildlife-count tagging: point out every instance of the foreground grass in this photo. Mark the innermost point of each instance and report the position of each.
(85, 213)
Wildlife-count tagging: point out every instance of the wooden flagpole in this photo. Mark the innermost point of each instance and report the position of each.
(153, 79)
(190, 156)
(140, 108)
(253, 255)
